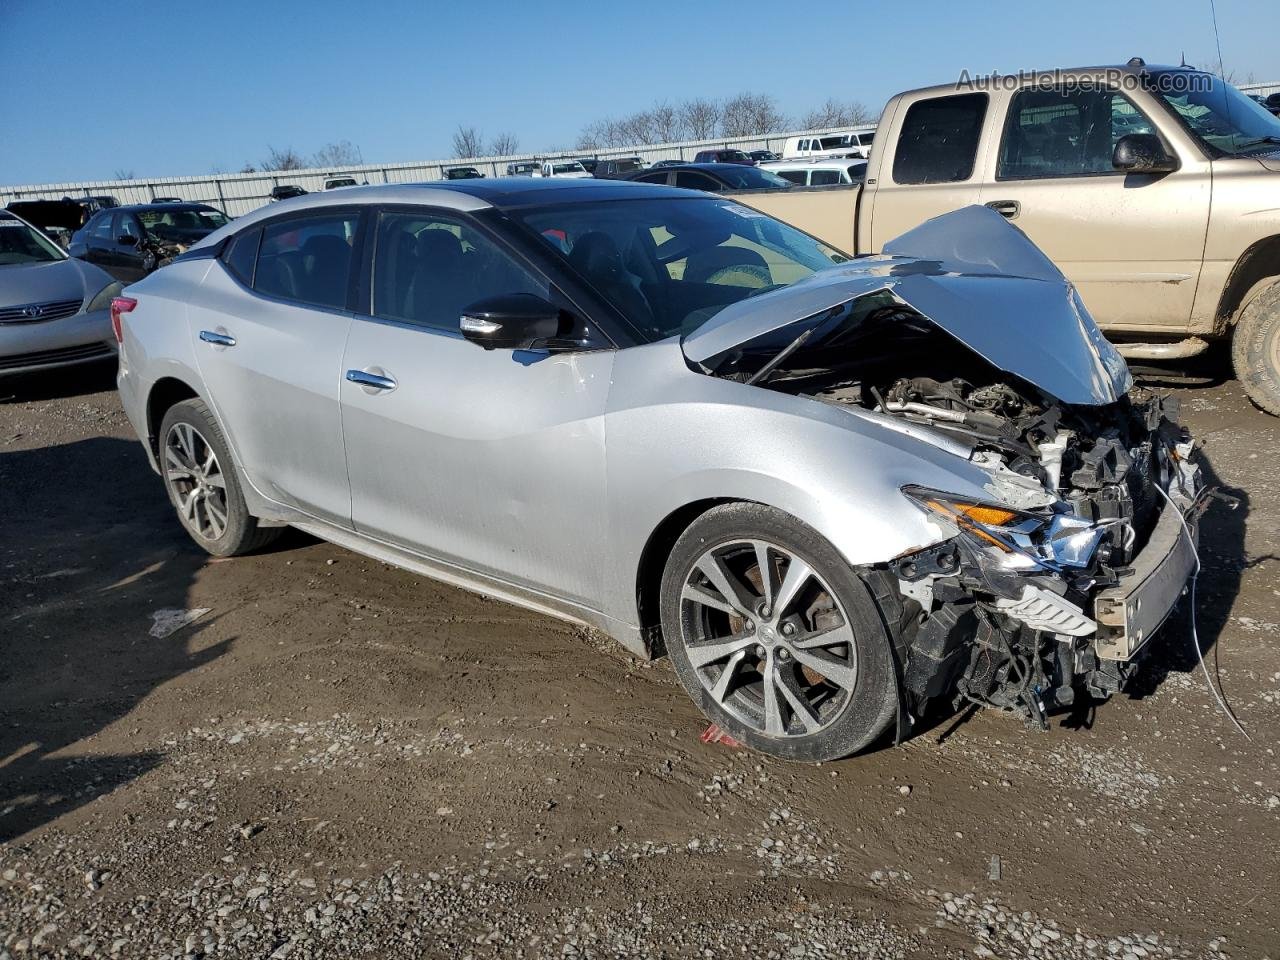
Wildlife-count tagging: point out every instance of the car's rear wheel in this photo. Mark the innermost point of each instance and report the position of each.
(775, 637)
(202, 483)
(1255, 349)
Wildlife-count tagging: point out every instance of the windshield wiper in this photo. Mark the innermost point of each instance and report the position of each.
(1258, 141)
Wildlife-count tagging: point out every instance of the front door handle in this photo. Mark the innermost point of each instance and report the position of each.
(220, 339)
(1009, 209)
(374, 380)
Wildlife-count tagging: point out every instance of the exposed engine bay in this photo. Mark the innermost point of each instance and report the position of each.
(1013, 610)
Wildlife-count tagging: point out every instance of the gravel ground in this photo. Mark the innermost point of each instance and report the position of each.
(339, 759)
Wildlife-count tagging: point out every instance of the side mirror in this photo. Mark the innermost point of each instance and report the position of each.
(515, 321)
(1142, 153)
(127, 240)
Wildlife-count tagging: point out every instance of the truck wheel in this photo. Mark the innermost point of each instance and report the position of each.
(775, 637)
(1255, 349)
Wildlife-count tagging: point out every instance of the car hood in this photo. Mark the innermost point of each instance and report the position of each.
(68, 279)
(972, 274)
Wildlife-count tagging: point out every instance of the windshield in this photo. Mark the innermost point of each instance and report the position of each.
(184, 223)
(1216, 113)
(670, 264)
(20, 243)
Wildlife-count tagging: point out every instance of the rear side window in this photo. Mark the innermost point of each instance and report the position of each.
(938, 142)
(241, 254)
(824, 178)
(102, 227)
(692, 180)
(307, 259)
(795, 176)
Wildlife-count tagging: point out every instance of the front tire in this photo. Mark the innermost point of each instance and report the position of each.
(775, 637)
(1255, 349)
(201, 480)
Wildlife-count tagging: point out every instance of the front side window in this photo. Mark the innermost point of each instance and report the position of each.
(128, 227)
(938, 142)
(1223, 119)
(307, 259)
(670, 264)
(428, 268)
(20, 243)
(1065, 133)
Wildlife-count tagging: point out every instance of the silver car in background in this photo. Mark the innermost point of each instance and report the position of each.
(833, 490)
(54, 310)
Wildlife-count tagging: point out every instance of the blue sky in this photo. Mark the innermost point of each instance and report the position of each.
(170, 87)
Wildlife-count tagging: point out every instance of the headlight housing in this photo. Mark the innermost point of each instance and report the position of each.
(102, 300)
(1015, 539)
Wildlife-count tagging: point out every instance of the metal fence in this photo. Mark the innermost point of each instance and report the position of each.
(238, 193)
(1261, 89)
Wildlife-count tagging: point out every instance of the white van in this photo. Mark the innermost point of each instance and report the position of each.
(851, 144)
(818, 173)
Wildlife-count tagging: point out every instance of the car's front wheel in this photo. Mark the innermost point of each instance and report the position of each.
(202, 483)
(775, 637)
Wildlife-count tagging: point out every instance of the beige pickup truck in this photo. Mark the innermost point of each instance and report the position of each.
(1156, 190)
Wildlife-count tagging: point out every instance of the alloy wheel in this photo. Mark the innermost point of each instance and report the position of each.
(192, 471)
(768, 639)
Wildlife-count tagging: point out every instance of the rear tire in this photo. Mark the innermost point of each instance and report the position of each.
(201, 480)
(1255, 349)
(801, 668)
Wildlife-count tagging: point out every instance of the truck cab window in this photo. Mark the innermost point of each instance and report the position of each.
(938, 142)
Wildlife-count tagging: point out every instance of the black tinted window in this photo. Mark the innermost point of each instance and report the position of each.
(240, 255)
(427, 269)
(1054, 133)
(823, 178)
(696, 181)
(102, 227)
(938, 142)
(307, 259)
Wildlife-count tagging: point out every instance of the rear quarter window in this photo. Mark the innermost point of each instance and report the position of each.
(241, 255)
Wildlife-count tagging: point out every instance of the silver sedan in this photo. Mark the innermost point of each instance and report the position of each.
(834, 490)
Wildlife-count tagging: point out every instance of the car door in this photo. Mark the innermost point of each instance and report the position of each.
(130, 257)
(492, 460)
(1132, 244)
(100, 243)
(935, 164)
(269, 329)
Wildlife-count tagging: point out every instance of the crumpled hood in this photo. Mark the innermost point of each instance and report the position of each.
(970, 273)
(22, 283)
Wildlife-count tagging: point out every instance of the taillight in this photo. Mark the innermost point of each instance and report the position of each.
(119, 307)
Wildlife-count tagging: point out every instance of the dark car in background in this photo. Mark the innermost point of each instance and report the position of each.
(714, 177)
(618, 168)
(462, 173)
(130, 242)
(764, 156)
(59, 219)
(287, 191)
(589, 164)
(724, 155)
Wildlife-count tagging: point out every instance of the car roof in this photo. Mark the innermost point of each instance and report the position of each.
(734, 168)
(139, 207)
(1053, 77)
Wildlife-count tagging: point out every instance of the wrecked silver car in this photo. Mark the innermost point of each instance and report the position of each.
(833, 490)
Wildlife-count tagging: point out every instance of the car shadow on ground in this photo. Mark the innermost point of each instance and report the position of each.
(73, 381)
(91, 550)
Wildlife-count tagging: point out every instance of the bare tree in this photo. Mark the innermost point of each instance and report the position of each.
(748, 114)
(124, 174)
(836, 113)
(699, 118)
(504, 145)
(468, 142)
(341, 153)
(282, 159)
(249, 168)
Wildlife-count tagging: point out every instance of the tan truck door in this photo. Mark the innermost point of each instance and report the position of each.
(1132, 243)
(930, 163)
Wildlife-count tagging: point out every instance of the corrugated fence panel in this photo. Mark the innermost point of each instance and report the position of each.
(239, 193)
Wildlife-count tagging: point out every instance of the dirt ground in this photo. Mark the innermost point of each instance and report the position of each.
(340, 759)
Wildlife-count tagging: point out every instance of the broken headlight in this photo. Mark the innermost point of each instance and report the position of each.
(1015, 539)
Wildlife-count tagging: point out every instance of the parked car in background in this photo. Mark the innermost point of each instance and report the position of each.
(589, 164)
(1272, 103)
(462, 173)
(286, 191)
(723, 155)
(713, 177)
(1160, 202)
(337, 183)
(524, 168)
(818, 173)
(832, 491)
(659, 164)
(851, 144)
(54, 310)
(59, 219)
(168, 200)
(618, 168)
(763, 156)
(565, 170)
(129, 242)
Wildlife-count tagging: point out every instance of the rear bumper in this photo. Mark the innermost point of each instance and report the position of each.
(83, 338)
(1129, 613)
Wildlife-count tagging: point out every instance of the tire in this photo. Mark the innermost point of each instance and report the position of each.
(207, 499)
(812, 681)
(1255, 349)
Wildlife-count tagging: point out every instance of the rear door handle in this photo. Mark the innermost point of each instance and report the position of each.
(220, 339)
(374, 380)
(1009, 209)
